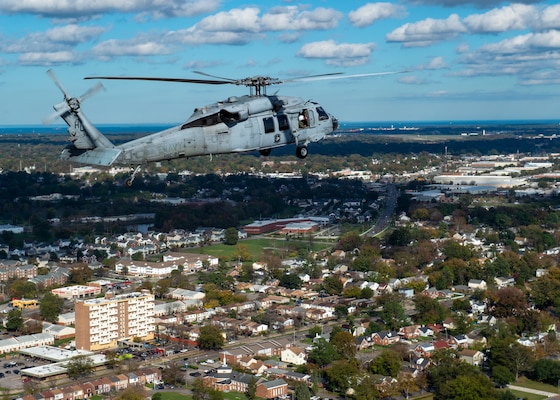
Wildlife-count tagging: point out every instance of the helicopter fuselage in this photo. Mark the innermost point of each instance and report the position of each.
(238, 124)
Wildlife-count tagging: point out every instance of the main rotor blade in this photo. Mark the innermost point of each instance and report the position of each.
(214, 76)
(341, 76)
(145, 78)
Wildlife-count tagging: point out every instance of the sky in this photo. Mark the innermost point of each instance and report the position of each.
(456, 59)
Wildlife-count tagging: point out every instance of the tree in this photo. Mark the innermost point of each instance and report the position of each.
(79, 367)
(314, 331)
(290, 281)
(502, 375)
(393, 314)
(231, 236)
(132, 392)
(301, 392)
(333, 285)
(210, 338)
(388, 363)
(172, 374)
(15, 320)
(199, 390)
(252, 388)
(428, 310)
(339, 375)
(344, 344)
(322, 353)
(50, 307)
(407, 383)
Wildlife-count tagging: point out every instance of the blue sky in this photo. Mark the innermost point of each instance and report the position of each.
(466, 60)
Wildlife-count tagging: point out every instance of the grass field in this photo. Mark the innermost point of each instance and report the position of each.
(256, 248)
(527, 396)
(174, 396)
(523, 381)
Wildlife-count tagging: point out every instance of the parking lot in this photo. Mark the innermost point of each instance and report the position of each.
(10, 372)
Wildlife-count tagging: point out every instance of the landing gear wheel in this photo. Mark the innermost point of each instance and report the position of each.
(265, 152)
(301, 152)
(128, 182)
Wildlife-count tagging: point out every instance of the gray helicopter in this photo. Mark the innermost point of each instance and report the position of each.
(238, 124)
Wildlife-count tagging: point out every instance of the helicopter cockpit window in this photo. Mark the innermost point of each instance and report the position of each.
(283, 123)
(268, 125)
(207, 120)
(322, 114)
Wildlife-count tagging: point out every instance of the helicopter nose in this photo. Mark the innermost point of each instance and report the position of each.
(334, 123)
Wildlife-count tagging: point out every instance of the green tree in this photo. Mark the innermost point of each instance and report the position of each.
(429, 311)
(290, 281)
(388, 363)
(339, 375)
(314, 331)
(322, 353)
(252, 388)
(210, 338)
(333, 285)
(301, 392)
(231, 236)
(502, 375)
(15, 320)
(393, 313)
(79, 367)
(50, 307)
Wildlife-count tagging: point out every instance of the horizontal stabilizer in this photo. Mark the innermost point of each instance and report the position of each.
(99, 156)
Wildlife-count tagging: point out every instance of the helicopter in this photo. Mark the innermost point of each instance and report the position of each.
(253, 122)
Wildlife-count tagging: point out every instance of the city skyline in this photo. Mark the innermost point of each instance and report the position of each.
(475, 60)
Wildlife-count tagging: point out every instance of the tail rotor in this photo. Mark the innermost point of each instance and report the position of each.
(70, 104)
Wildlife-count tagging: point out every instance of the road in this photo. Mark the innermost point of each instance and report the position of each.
(386, 214)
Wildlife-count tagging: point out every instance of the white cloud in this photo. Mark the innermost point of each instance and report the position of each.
(85, 8)
(550, 17)
(291, 18)
(236, 20)
(112, 48)
(74, 33)
(427, 32)
(48, 58)
(343, 54)
(436, 63)
(371, 12)
(513, 17)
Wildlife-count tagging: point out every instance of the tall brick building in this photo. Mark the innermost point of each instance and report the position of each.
(100, 323)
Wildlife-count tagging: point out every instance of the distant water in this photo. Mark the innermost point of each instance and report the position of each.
(131, 128)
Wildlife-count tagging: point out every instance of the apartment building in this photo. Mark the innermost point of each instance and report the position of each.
(101, 322)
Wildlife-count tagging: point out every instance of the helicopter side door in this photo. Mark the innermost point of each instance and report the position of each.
(276, 131)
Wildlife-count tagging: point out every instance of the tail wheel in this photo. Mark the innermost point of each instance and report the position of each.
(301, 152)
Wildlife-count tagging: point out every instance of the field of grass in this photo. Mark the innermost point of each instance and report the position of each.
(256, 248)
(527, 396)
(524, 382)
(174, 396)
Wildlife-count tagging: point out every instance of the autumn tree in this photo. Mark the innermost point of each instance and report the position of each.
(344, 344)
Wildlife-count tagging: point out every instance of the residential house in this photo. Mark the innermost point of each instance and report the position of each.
(472, 357)
(385, 338)
(477, 284)
(293, 355)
